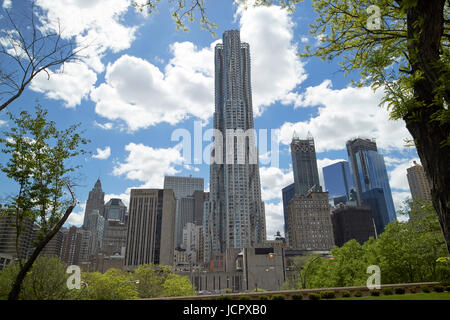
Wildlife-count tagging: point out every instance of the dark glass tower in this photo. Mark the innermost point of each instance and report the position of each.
(338, 180)
(304, 163)
(288, 193)
(369, 171)
(237, 212)
(375, 199)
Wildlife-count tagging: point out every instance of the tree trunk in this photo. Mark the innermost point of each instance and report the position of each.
(15, 291)
(425, 24)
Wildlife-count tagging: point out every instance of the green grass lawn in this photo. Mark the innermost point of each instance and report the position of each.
(407, 296)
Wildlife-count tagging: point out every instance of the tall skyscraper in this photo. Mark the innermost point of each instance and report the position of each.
(237, 212)
(369, 171)
(183, 187)
(151, 227)
(304, 165)
(95, 201)
(418, 183)
(338, 180)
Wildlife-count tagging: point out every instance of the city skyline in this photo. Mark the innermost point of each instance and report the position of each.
(129, 152)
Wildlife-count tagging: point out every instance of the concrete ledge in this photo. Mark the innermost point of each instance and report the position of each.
(289, 293)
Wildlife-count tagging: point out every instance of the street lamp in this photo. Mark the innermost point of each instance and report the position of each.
(330, 257)
(87, 287)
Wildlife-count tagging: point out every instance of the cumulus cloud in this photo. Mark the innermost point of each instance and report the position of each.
(273, 180)
(344, 114)
(96, 27)
(138, 93)
(142, 95)
(76, 218)
(276, 67)
(397, 176)
(399, 198)
(7, 4)
(149, 165)
(274, 219)
(104, 126)
(102, 154)
(94, 23)
(70, 83)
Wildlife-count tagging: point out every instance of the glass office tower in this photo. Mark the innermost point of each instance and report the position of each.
(288, 193)
(375, 199)
(338, 180)
(369, 171)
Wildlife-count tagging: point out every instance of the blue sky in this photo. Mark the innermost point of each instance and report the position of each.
(141, 80)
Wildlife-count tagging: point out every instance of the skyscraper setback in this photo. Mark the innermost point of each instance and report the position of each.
(237, 212)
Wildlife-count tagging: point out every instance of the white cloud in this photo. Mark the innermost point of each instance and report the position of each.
(102, 154)
(397, 176)
(274, 218)
(138, 93)
(3, 122)
(276, 68)
(96, 27)
(96, 23)
(76, 218)
(7, 4)
(344, 114)
(273, 180)
(148, 165)
(142, 95)
(70, 83)
(104, 126)
(399, 198)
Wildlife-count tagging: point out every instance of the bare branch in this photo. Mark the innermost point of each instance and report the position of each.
(25, 51)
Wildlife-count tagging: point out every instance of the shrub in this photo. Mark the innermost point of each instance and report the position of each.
(313, 296)
(399, 290)
(447, 288)
(223, 298)
(263, 297)
(412, 289)
(375, 293)
(425, 289)
(327, 294)
(278, 297)
(345, 293)
(388, 291)
(438, 289)
(245, 298)
(357, 294)
(297, 297)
